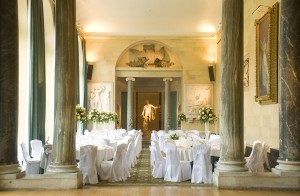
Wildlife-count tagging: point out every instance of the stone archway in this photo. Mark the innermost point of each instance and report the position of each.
(146, 61)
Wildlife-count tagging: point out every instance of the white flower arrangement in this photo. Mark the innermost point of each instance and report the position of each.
(80, 113)
(93, 115)
(108, 116)
(96, 116)
(206, 114)
(181, 117)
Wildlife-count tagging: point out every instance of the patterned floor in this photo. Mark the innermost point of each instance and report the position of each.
(141, 174)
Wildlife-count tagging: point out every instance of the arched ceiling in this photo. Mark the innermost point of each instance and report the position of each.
(149, 18)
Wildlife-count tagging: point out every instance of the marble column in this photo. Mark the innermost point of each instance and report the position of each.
(289, 94)
(9, 86)
(167, 116)
(130, 103)
(63, 154)
(232, 91)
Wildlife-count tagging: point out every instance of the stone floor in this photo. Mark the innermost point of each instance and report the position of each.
(149, 190)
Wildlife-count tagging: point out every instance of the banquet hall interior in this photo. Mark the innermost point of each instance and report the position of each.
(149, 97)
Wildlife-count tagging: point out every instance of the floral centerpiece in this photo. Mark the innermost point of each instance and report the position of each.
(206, 114)
(80, 113)
(93, 115)
(108, 116)
(181, 117)
(174, 136)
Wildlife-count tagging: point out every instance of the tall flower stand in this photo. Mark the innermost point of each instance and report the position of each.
(94, 125)
(207, 132)
(79, 127)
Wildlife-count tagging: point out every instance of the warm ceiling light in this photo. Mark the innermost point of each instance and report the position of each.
(208, 28)
(96, 27)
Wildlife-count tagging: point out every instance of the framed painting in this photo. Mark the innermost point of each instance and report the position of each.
(195, 96)
(266, 57)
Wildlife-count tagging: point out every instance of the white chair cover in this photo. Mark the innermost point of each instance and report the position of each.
(180, 133)
(266, 148)
(154, 135)
(159, 162)
(176, 170)
(138, 145)
(32, 166)
(202, 168)
(196, 132)
(36, 149)
(152, 154)
(21, 159)
(255, 163)
(47, 157)
(87, 164)
(130, 155)
(117, 169)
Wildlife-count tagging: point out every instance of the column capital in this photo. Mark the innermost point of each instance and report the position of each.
(167, 79)
(130, 79)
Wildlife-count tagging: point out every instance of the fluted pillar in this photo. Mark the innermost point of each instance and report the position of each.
(63, 154)
(130, 103)
(9, 86)
(289, 93)
(232, 94)
(167, 116)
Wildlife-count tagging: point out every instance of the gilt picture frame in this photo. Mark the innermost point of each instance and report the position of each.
(266, 57)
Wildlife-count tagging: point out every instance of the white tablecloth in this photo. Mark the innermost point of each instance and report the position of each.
(103, 154)
(186, 153)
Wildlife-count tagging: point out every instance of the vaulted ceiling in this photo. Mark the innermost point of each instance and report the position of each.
(149, 17)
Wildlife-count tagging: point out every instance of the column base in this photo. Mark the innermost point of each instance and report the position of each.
(248, 180)
(62, 169)
(287, 168)
(41, 181)
(231, 166)
(9, 169)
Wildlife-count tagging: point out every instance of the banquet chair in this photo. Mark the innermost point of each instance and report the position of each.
(196, 132)
(138, 145)
(180, 133)
(87, 164)
(202, 168)
(214, 140)
(32, 166)
(255, 162)
(130, 155)
(152, 154)
(154, 135)
(36, 149)
(266, 148)
(21, 159)
(176, 170)
(159, 165)
(47, 157)
(117, 169)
